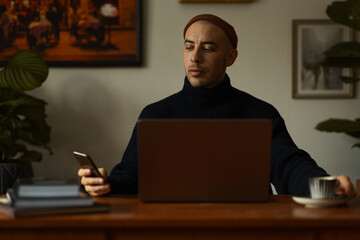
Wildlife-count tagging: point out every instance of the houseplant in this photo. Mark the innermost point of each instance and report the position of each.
(344, 55)
(22, 117)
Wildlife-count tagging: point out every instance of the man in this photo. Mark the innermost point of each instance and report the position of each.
(209, 48)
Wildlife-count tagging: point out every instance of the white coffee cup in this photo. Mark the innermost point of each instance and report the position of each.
(323, 187)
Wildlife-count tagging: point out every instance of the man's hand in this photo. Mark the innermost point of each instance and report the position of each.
(93, 185)
(346, 187)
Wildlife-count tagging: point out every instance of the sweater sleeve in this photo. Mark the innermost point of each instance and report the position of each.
(291, 167)
(123, 177)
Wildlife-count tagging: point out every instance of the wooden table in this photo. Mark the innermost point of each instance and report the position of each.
(280, 218)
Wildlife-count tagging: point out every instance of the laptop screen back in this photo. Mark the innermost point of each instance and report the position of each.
(204, 160)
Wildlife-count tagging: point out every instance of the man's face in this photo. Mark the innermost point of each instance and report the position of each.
(207, 52)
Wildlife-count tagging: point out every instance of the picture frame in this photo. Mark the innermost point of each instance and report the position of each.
(311, 38)
(215, 1)
(75, 33)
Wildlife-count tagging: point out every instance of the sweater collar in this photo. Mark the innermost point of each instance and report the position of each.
(200, 96)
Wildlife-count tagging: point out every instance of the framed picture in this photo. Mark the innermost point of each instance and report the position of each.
(215, 1)
(73, 32)
(311, 38)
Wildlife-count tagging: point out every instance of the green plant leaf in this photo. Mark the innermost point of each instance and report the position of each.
(25, 71)
(27, 106)
(343, 55)
(22, 112)
(344, 50)
(348, 127)
(18, 103)
(7, 94)
(345, 13)
(16, 123)
(38, 134)
(7, 146)
(31, 156)
(350, 80)
(22, 117)
(341, 62)
(356, 145)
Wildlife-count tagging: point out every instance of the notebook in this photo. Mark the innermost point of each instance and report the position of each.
(204, 160)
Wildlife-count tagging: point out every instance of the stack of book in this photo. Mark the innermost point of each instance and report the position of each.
(34, 197)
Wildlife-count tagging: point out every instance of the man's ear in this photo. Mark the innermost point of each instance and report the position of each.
(233, 53)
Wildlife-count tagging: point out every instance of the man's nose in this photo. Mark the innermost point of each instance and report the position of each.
(196, 57)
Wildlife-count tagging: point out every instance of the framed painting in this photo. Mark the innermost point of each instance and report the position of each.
(311, 38)
(73, 32)
(215, 1)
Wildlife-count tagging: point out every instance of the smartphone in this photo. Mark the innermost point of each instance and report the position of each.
(86, 162)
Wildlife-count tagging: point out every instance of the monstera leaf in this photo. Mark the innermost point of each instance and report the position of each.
(7, 145)
(344, 55)
(351, 128)
(25, 71)
(349, 50)
(22, 117)
(346, 79)
(345, 13)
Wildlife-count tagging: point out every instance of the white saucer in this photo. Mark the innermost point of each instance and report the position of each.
(320, 203)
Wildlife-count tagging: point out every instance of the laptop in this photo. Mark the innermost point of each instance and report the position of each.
(204, 160)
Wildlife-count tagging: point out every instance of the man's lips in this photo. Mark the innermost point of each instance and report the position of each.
(195, 72)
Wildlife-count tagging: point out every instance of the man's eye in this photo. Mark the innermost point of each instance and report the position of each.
(188, 47)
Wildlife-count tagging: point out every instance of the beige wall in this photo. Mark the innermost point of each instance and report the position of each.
(94, 110)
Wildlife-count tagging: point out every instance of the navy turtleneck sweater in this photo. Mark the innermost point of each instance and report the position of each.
(290, 166)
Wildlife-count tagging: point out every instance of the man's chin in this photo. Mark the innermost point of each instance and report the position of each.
(197, 82)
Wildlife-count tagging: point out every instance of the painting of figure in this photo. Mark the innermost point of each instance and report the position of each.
(72, 32)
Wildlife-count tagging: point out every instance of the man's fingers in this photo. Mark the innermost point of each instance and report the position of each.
(97, 190)
(95, 186)
(346, 187)
(103, 173)
(92, 181)
(84, 172)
